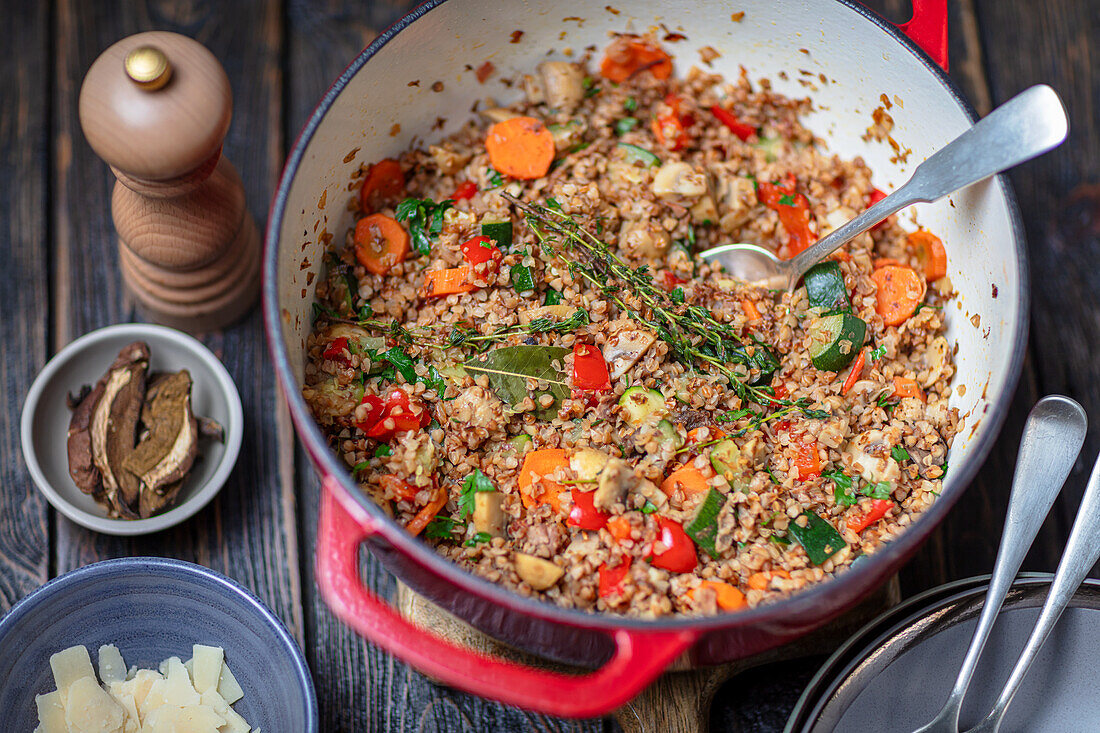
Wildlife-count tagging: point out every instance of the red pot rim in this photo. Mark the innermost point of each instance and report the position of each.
(868, 573)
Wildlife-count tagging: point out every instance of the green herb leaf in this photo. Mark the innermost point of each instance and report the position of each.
(630, 104)
(677, 295)
(625, 125)
(402, 362)
(899, 453)
(881, 490)
(649, 507)
(878, 352)
(382, 451)
(779, 540)
(733, 415)
(818, 538)
(770, 472)
(842, 487)
(442, 528)
(361, 466)
(478, 539)
(495, 178)
(474, 483)
(590, 88)
(509, 368)
(425, 218)
(786, 200)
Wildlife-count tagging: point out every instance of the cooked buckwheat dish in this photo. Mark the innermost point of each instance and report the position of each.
(523, 359)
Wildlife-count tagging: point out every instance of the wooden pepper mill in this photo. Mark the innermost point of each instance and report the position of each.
(156, 107)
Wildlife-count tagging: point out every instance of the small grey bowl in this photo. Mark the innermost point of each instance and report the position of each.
(45, 422)
(152, 608)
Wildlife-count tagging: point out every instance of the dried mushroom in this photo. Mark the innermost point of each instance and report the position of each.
(133, 438)
(103, 430)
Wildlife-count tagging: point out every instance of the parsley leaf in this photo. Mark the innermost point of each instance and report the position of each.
(630, 104)
(495, 179)
(878, 352)
(649, 507)
(478, 538)
(881, 490)
(842, 491)
(402, 362)
(474, 483)
(775, 479)
(590, 88)
(425, 218)
(361, 466)
(786, 199)
(899, 453)
(442, 528)
(382, 451)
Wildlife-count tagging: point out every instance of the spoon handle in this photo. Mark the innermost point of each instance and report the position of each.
(1081, 553)
(1028, 125)
(1053, 436)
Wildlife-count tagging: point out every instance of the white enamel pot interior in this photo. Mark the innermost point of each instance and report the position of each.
(387, 100)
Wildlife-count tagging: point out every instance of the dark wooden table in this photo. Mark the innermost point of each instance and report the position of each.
(59, 279)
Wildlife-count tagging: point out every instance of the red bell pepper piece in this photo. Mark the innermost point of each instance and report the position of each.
(479, 251)
(403, 489)
(736, 126)
(873, 198)
(807, 459)
(670, 280)
(861, 521)
(671, 128)
(398, 415)
(584, 513)
(590, 369)
(680, 556)
(794, 214)
(611, 578)
(337, 350)
(465, 190)
(375, 412)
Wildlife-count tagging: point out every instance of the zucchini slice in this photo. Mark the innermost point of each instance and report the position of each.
(703, 529)
(669, 434)
(825, 288)
(835, 340)
(639, 403)
(818, 538)
(725, 457)
(635, 154)
(498, 231)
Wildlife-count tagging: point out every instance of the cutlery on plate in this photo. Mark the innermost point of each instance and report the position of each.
(1053, 435)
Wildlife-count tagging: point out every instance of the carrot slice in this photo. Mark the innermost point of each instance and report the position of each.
(424, 517)
(930, 254)
(438, 283)
(629, 55)
(881, 262)
(728, 597)
(905, 387)
(853, 376)
(380, 243)
(807, 460)
(542, 463)
(619, 527)
(521, 147)
(686, 479)
(900, 291)
(403, 489)
(759, 581)
(384, 183)
(750, 309)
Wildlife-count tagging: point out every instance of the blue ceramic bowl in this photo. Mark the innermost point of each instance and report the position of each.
(153, 608)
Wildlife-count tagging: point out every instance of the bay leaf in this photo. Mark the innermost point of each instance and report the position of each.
(509, 368)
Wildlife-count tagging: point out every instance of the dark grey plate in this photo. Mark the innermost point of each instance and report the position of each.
(896, 672)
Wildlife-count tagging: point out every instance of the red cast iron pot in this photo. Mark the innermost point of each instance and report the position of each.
(420, 71)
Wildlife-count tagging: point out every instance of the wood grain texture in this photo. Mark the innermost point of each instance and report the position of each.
(24, 280)
(249, 532)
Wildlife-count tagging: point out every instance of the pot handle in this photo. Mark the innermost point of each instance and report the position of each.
(928, 29)
(639, 656)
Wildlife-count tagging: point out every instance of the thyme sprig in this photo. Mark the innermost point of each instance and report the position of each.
(691, 331)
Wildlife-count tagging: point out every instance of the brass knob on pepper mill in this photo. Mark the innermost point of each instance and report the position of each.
(156, 106)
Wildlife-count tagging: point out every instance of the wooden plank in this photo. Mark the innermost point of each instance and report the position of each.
(366, 689)
(1054, 42)
(24, 280)
(249, 532)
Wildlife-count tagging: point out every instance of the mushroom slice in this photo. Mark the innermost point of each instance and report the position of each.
(153, 502)
(562, 83)
(167, 453)
(103, 429)
(623, 350)
(677, 178)
(615, 481)
(538, 573)
(868, 454)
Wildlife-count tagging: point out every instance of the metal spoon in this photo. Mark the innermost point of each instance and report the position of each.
(1081, 553)
(1029, 124)
(1053, 436)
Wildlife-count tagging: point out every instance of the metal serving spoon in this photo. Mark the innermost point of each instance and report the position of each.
(1053, 436)
(1081, 553)
(1029, 124)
